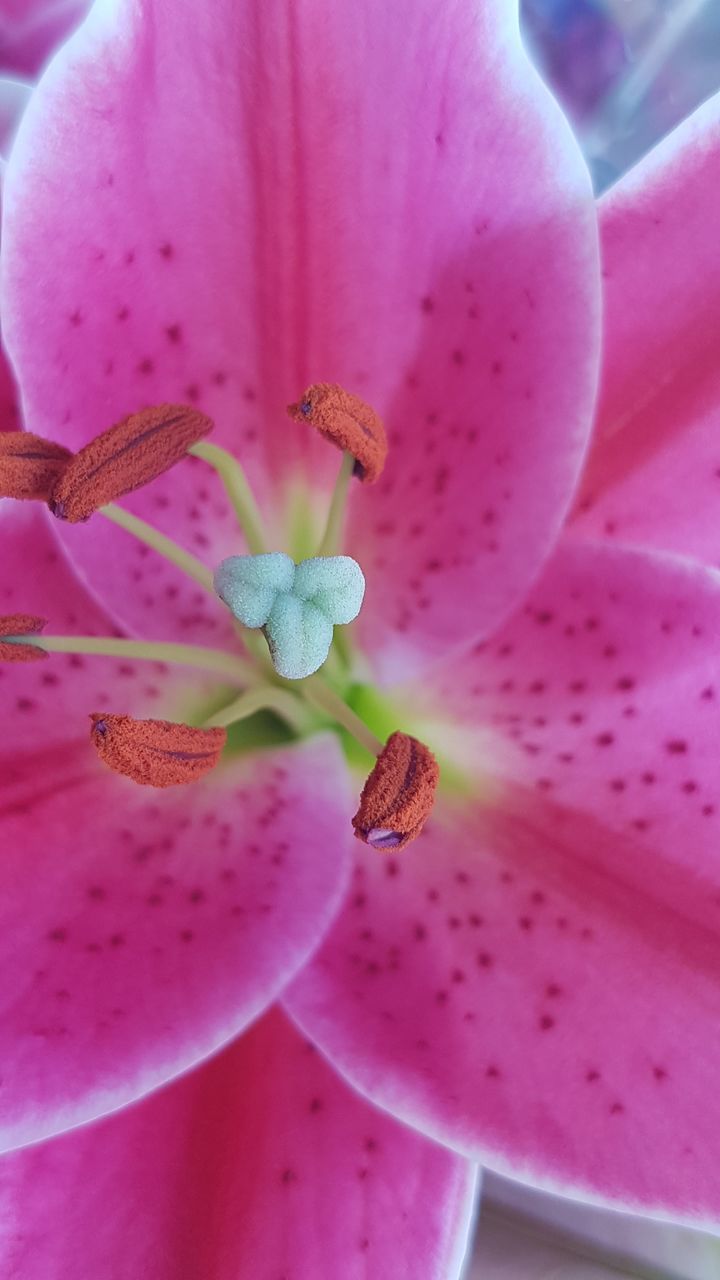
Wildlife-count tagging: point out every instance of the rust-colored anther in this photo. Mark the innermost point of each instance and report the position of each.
(348, 422)
(30, 467)
(399, 794)
(155, 753)
(125, 457)
(21, 624)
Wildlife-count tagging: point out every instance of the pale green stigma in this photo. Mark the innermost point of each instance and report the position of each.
(295, 605)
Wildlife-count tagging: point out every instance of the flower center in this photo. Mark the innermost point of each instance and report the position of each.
(297, 670)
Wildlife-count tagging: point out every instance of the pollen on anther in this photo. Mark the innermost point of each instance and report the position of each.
(348, 422)
(126, 456)
(398, 795)
(156, 753)
(30, 466)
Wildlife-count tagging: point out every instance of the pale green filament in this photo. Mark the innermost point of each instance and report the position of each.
(164, 546)
(333, 665)
(263, 698)
(186, 655)
(321, 695)
(340, 655)
(238, 491)
(332, 538)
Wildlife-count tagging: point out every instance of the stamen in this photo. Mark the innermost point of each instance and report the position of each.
(348, 422)
(30, 467)
(321, 695)
(235, 669)
(399, 794)
(156, 753)
(164, 546)
(238, 491)
(332, 538)
(15, 629)
(125, 457)
(264, 698)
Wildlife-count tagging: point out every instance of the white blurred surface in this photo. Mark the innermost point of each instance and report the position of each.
(525, 1234)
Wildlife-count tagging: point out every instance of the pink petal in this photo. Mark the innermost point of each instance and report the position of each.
(142, 930)
(46, 703)
(14, 97)
(9, 412)
(139, 930)
(654, 476)
(535, 981)
(231, 205)
(31, 29)
(260, 1164)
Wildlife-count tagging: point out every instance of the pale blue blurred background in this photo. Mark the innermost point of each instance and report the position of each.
(626, 71)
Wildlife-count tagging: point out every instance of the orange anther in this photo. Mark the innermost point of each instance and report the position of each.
(348, 422)
(30, 466)
(399, 794)
(156, 753)
(126, 457)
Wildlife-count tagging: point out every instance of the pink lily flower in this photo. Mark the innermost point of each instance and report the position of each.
(528, 983)
(498, 267)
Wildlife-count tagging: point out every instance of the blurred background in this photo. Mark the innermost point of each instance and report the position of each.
(526, 1234)
(626, 72)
